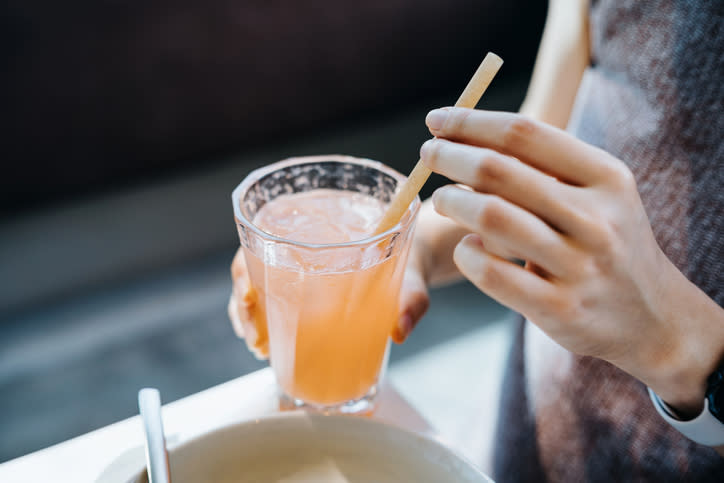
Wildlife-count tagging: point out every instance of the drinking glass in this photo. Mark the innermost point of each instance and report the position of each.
(329, 307)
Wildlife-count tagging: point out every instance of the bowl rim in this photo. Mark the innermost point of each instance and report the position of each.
(348, 420)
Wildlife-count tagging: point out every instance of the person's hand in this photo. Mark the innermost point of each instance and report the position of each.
(247, 323)
(242, 310)
(595, 279)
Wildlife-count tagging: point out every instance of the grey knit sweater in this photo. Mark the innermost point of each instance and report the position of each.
(653, 97)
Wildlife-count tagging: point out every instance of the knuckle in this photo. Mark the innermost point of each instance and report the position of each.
(605, 242)
(588, 268)
(620, 176)
(578, 216)
(458, 122)
(489, 275)
(492, 215)
(490, 168)
(517, 131)
(627, 180)
(598, 230)
(433, 151)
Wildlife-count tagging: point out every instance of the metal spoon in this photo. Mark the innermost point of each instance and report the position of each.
(149, 403)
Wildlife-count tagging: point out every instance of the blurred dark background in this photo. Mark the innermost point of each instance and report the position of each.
(127, 125)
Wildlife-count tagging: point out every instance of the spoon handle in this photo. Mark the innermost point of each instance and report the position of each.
(149, 403)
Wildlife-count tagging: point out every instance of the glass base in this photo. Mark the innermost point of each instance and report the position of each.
(363, 406)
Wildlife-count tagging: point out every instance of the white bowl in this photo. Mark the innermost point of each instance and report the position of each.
(301, 447)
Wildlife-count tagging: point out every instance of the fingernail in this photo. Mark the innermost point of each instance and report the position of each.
(436, 118)
(397, 336)
(404, 327)
(426, 148)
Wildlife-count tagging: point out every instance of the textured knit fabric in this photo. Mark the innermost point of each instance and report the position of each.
(653, 97)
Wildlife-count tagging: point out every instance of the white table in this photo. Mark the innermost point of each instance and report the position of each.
(87, 457)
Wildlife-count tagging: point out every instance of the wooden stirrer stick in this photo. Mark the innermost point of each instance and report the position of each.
(469, 98)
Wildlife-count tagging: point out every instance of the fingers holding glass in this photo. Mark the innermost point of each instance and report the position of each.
(414, 302)
(242, 310)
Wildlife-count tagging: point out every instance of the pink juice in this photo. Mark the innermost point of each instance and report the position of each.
(329, 312)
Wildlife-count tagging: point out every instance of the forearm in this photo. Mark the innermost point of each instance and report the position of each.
(562, 58)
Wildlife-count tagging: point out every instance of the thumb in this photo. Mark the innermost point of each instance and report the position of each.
(414, 301)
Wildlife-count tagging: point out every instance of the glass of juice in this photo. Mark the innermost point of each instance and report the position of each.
(326, 290)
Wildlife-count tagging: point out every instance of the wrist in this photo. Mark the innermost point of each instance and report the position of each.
(692, 335)
(705, 428)
(683, 391)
